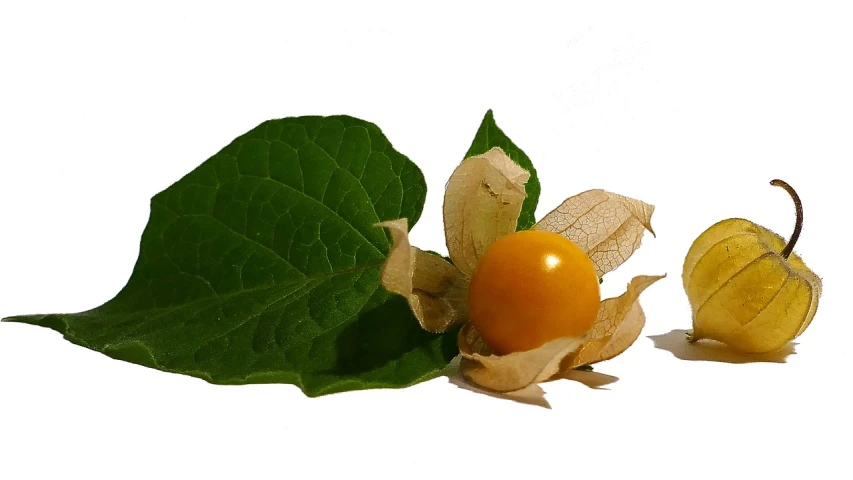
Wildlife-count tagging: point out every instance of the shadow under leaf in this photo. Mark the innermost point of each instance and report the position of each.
(384, 334)
(675, 342)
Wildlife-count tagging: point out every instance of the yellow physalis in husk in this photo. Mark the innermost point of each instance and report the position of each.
(528, 301)
(747, 288)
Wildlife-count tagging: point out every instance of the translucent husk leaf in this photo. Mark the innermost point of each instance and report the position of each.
(533, 394)
(482, 202)
(435, 289)
(617, 326)
(743, 292)
(512, 372)
(593, 380)
(607, 226)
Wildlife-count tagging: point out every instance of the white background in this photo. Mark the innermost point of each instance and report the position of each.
(691, 109)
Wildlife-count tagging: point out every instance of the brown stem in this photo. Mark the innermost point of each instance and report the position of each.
(798, 227)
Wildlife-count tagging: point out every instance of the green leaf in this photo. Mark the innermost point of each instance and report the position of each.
(262, 266)
(489, 136)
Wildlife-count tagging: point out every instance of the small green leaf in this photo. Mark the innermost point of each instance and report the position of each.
(262, 266)
(446, 259)
(489, 136)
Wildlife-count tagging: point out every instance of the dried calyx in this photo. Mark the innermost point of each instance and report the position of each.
(482, 203)
(747, 288)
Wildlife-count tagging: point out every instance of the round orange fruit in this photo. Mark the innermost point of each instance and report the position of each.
(531, 287)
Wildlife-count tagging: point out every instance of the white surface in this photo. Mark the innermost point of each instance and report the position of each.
(693, 110)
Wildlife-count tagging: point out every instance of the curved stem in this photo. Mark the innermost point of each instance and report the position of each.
(798, 227)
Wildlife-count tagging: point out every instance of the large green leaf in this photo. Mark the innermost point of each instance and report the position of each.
(262, 265)
(489, 136)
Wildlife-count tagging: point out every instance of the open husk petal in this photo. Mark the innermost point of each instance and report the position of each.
(607, 226)
(594, 380)
(435, 289)
(482, 202)
(617, 326)
(530, 395)
(512, 372)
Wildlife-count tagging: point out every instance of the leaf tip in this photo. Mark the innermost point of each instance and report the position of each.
(648, 223)
(652, 279)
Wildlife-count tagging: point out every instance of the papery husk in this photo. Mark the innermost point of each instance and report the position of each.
(483, 200)
(512, 372)
(617, 326)
(435, 289)
(607, 226)
(743, 292)
(482, 203)
(594, 380)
